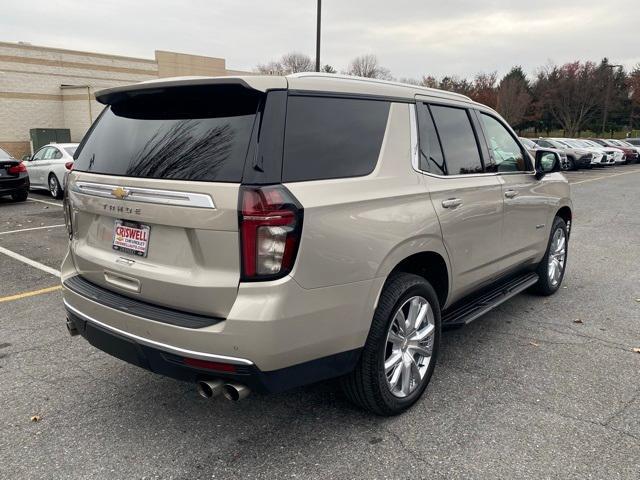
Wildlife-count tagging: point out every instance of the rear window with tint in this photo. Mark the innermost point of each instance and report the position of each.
(332, 137)
(187, 133)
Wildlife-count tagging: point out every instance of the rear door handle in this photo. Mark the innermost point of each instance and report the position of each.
(511, 193)
(452, 202)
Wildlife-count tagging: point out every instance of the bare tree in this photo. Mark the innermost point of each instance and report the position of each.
(513, 97)
(292, 62)
(484, 89)
(429, 81)
(369, 67)
(633, 83)
(296, 62)
(571, 93)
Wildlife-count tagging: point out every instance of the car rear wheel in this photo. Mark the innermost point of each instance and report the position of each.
(20, 196)
(401, 350)
(552, 267)
(54, 186)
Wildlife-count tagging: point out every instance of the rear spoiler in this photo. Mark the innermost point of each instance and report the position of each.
(112, 96)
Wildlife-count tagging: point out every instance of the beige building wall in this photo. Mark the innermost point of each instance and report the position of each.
(42, 87)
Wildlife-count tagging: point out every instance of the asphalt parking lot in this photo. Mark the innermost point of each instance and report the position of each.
(538, 388)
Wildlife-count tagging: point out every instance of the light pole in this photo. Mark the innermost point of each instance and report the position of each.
(605, 110)
(318, 36)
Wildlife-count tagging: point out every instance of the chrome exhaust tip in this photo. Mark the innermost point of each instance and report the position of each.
(71, 328)
(209, 388)
(235, 391)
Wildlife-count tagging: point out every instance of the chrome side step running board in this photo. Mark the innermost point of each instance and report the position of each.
(466, 311)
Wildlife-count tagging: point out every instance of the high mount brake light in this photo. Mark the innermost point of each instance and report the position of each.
(20, 168)
(270, 221)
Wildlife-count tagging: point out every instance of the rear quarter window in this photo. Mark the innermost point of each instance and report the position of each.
(332, 137)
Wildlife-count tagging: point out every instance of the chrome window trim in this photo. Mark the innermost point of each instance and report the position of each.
(160, 346)
(146, 195)
(415, 153)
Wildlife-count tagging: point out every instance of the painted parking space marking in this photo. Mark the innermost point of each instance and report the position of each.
(44, 201)
(32, 293)
(604, 177)
(28, 261)
(31, 229)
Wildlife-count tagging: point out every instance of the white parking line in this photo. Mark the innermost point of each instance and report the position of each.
(28, 261)
(31, 229)
(603, 177)
(44, 201)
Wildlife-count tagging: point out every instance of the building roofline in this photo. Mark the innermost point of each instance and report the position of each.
(28, 46)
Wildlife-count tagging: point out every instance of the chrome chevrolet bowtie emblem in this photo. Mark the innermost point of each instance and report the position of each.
(120, 193)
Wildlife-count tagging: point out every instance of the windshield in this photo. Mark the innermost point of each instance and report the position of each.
(70, 150)
(527, 143)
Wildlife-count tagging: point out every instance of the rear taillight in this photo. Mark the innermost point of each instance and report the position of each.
(68, 165)
(16, 169)
(68, 212)
(270, 228)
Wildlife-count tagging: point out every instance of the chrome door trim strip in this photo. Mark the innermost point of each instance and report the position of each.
(145, 195)
(160, 346)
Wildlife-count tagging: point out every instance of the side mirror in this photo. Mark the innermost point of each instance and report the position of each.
(546, 162)
(26, 158)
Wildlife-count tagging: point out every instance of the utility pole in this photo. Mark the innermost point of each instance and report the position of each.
(318, 36)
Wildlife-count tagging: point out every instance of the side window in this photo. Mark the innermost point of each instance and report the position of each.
(506, 153)
(545, 144)
(332, 137)
(49, 154)
(431, 157)
(56, 154)
(458, 140)
(39, 155)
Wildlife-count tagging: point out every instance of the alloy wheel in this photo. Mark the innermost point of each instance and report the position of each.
(409, 346)
(53, 186)
(557, 256)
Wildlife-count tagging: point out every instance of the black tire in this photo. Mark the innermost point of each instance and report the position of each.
(572, 164)
(54, 187)
(545, 286)
(20, 196)
(367, 385)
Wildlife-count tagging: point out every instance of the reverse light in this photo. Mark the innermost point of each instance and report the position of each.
(16, 169)
(270, 220)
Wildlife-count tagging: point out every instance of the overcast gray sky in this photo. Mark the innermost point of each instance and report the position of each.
(412, 38)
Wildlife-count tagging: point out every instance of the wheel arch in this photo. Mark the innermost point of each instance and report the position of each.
(566, 214)
(432, 267)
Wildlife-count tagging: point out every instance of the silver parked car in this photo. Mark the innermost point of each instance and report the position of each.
(576, 157)
(49, 165)
(263, 232)
(532, 147)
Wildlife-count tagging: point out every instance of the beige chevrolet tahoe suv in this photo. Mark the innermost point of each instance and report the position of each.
(261, 233)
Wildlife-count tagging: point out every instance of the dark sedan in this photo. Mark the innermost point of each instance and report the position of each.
(14, 179)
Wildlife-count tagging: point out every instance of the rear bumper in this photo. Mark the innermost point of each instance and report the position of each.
(273, 327)
(158, 360)
(14, 185)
